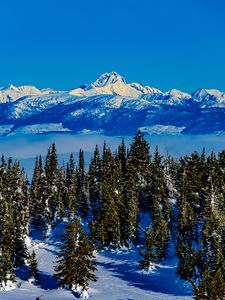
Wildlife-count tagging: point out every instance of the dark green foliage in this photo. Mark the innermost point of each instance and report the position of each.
(33, 268)
(201, 225)
(61, 187)
(83, 204)
(39, 204)
(122, 155)
(126, 198)
(14, 216)
(7, 242)
(20, 249)
(108, 223)
(51, 187)
(94, 180)
(129, 211)
(157, 188)
(149, 253)
(212, 286)
(71, 188)
(161, 239)
(138, 163)
(75, 266)
(217, 286)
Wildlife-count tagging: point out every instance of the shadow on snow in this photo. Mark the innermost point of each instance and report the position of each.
(162, 280)
(47, 282)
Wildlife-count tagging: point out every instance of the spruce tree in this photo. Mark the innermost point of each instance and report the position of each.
(160, 208)
(20, 248)
(161, 239)
(75, 267)
(61, 186)
(129, 210)
(217, 286)
(52, 176)
(82, 188)
(7, 243)
(108, 223)
(149, 253)
(94, 179)
(122, 155)
(138, 162)
(157, 187)
(33, 268)
(212, 286)
(36, 211)
(71, 188)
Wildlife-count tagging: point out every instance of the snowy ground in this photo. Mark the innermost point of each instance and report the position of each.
(118, 278)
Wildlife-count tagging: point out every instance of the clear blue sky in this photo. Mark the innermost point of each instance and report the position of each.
(162, 43)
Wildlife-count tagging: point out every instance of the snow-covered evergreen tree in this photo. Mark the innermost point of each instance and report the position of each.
(34, 274)
(75, 266)
(71, 188)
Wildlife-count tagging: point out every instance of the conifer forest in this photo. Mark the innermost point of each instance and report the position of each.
(132, 198)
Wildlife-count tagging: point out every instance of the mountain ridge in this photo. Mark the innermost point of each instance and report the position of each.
(112, 106)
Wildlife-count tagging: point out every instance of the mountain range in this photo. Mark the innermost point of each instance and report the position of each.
(111, 106)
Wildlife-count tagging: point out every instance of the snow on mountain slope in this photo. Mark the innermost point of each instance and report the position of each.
(172, 97)
(108, 78)
(28, 90)
(176, 97)
(144, 90)
(31, 105)
(12, 93)
(113, 84)
(48, 91)
(209, 98)
(115, 107)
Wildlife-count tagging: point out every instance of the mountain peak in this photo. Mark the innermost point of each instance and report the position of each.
(204, 92)
(113, 84)
(108, 78)
(10, 87)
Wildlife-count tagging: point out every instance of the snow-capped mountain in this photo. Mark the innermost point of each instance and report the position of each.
(113, 84)
(113, 106)
(12, 93)
(209, 98)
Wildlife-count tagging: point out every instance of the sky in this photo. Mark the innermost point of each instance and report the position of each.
(64, 43)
